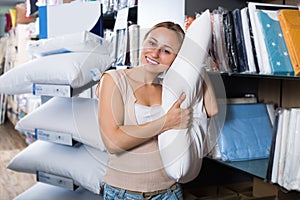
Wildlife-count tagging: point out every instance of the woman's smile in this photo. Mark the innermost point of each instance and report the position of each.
(151, 61)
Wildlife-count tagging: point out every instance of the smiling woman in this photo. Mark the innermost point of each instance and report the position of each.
(131, 118)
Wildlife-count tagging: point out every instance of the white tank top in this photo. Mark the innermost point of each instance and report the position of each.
(146, 114)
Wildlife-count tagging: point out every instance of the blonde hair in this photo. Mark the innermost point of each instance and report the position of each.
(171, 26)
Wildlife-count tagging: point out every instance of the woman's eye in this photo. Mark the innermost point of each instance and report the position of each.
(166, 51)
(151, 43)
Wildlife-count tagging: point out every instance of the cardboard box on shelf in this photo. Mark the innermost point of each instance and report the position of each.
(264, 189)
(245, 191)
(240, 187)
(214, 192)
(257, 189)
(249, 196)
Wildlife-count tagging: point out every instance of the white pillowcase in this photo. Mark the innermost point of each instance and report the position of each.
(182, 150)
(68, 69)
(85, 165)
(75, 116)
(50, 192)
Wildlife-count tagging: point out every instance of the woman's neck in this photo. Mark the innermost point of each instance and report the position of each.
(139, 74)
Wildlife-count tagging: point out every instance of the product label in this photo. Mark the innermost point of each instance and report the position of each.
(55, 180)
(56, 137)
(51, 90)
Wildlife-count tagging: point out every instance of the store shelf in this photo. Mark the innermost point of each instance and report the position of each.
(109, 18)
(256, 167)
(255, 75)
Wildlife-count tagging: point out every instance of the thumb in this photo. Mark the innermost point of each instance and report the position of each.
(180, 99)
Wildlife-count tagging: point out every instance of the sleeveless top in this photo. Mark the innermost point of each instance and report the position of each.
(140, 168)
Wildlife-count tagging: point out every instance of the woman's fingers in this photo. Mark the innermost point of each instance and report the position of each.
(180, 100)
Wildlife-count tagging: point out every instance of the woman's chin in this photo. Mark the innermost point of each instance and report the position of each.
(158, 68)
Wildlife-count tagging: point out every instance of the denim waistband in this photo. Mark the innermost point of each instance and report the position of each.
(144, 195)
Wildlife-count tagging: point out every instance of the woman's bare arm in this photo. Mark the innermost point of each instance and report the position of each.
(210, 102)
(118, 137)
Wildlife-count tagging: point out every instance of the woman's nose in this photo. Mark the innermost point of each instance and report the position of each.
(155, 52)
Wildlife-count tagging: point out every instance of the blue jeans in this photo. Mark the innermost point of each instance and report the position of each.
(111, 193)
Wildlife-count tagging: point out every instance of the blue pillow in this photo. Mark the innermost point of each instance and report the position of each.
(246, 134)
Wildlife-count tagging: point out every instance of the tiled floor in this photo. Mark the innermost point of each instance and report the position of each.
(11, 183)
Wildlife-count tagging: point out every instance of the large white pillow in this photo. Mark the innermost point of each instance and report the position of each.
(50, 192)
(85, 165)
(182, 150)
(83, 41)
(75, 116)
(68, 68)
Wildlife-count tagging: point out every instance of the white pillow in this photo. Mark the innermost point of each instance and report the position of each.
(182, 150)
(68, 68)
(85, 165)
(75, 116)
(50, 192)
(83, 41)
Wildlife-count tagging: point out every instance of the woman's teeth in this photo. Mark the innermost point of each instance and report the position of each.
(152, 61)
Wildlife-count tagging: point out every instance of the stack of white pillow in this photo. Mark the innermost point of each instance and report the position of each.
(69, 61)
(66, 60)
(84, 164)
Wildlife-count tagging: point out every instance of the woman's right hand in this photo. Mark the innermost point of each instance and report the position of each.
(176, 117)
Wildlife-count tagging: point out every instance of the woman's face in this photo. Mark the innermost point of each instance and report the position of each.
(159, 50)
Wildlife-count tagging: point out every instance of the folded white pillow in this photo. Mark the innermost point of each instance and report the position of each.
(83, 164)
(75, 116)
(39, 190)
(182, 150)
(68, 68)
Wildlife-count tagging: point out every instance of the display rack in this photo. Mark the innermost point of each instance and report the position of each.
(265, 88)
(110, 17)
(257, 168)
(6, 66)
(10, 2)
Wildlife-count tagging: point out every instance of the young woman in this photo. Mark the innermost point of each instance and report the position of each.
(131, 118)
